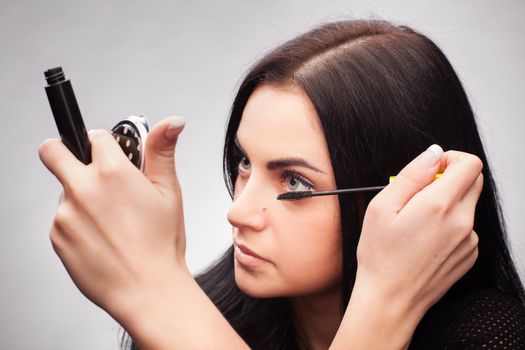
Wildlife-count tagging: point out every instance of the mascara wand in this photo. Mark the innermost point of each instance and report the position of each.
(292, 196)
(307, 194)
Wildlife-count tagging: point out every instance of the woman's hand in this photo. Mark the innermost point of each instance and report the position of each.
(417, 241)
(121, 237)
(116, 230)
(417, 238)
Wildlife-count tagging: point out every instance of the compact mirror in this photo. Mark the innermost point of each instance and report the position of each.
(131, 134)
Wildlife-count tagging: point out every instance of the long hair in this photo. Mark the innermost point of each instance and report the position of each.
(383, 94)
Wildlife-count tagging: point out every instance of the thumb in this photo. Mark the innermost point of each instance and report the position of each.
(160, 152)
(413, 178)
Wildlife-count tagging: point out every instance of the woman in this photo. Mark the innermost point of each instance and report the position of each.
(381, 94)
(345, 105)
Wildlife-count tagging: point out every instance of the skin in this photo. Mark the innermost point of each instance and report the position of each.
(129, 258)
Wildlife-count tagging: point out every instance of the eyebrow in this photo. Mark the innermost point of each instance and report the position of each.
(283, 163)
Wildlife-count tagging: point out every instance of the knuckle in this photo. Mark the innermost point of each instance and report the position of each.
(54, 234)
(451, 153)
(372, 205)
(474, 257)
(410, 177)
(57, 239)
(464, 227)
(474, 239)
(480, 180)
(374, 208)
(62, 216)
(79, 192)
(437, 206)
(475, 162)
(108, 170)
(45, 147)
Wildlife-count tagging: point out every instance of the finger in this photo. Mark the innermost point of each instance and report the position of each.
(104, 148)
(470, 199)
(74, 228)
(466, 208)
(462, 258)
(460, 172)
(160, 152)
(451, 274)
(412, 179)
(60, 161)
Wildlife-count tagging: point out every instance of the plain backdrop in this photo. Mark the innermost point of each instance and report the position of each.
(160, 58)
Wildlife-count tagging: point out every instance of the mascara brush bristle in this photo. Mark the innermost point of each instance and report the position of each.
(293, 196)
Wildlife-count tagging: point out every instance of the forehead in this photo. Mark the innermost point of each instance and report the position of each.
(282, 122)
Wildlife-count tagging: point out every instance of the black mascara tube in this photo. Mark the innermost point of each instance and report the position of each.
(67, 114)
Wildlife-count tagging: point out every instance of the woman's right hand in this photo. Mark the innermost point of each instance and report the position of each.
(117, 231)
(417, 240)
(121, 237)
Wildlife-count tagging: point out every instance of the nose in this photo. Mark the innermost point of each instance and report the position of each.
(248, 210)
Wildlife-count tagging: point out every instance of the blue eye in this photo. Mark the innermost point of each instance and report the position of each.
(295, 182)
(245, 164)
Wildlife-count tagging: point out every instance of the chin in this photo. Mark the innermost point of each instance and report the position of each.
(264, 285)
(256, 286)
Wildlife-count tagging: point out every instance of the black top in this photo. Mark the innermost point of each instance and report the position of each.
(486, 319)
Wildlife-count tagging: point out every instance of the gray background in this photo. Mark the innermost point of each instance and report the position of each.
(186, 58)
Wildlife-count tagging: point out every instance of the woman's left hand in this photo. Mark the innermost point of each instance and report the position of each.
(417, 240)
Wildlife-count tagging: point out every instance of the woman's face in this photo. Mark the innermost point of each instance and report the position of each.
(283, 149)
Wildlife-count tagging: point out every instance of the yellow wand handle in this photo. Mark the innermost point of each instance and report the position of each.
(391, 178)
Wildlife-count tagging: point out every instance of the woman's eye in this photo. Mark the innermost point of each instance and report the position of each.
(295, 183)
(245, 164)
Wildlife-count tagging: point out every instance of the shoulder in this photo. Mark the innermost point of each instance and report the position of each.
(485, 318)
(490, 319)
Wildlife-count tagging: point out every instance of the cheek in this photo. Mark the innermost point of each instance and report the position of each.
(310, 249)
(306, 247)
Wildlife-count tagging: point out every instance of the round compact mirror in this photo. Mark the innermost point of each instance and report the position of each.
(131, 134)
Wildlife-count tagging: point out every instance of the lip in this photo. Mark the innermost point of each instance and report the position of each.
(248, 257)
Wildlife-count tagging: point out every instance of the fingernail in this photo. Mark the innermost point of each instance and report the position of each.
(431, 156)
(176, 123)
